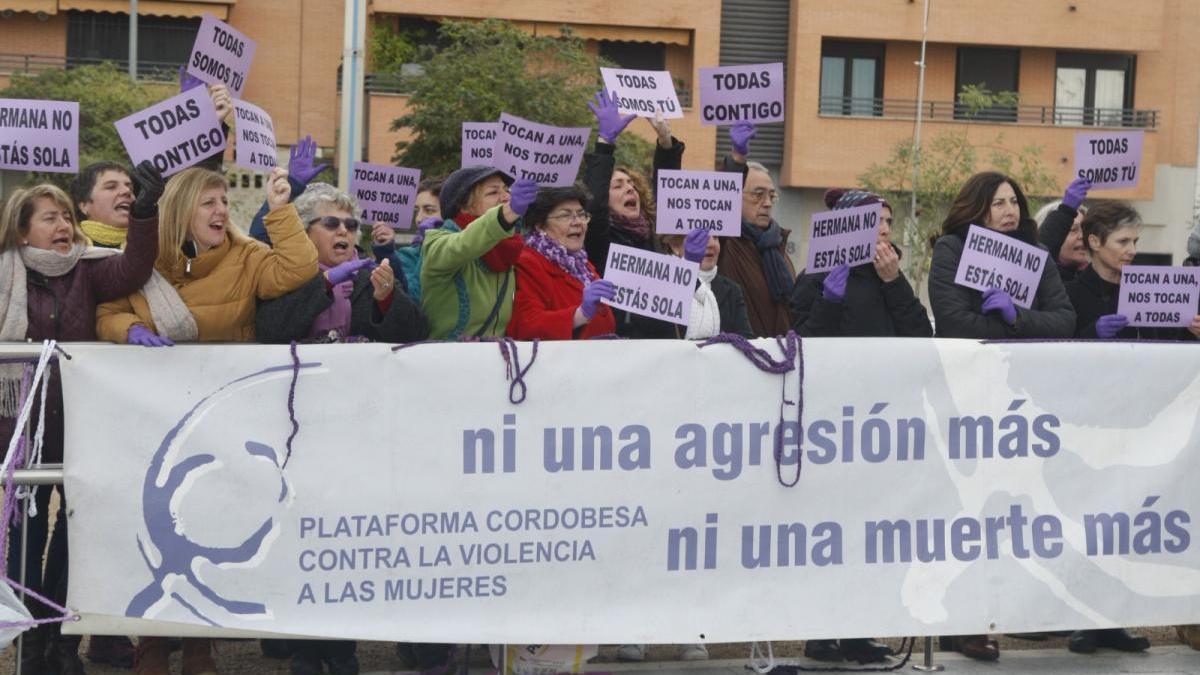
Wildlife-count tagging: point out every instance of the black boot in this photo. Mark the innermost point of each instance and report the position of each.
(823, 650)
(63, 657)
(865, 650)
(1121, 640)
(33, 650)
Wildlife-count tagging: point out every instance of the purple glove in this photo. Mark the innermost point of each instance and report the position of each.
(996, 300)
(140, 335)
(609, 119)
(300, 161)
(521, 195)
(835, 284)
(1109, 325)
(1076, 192)
(186, 81)
(423, 227)
(695, 245)
(593, 293)
(346, 271)
(740, 135)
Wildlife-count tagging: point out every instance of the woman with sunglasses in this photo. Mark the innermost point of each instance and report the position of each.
(351, 297)
(559, 293)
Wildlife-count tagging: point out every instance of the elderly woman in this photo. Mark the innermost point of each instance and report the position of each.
(1059, 231)
(467, 264)
(348, 298)
(51, 281)
(558, 290)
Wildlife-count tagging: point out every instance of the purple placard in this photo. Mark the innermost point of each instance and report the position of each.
(175, 134)
(751, 93)
(478, 143)
(1110, 160)
(386, 194)
(548, 155)
(255, 147)
(221, 55)
(1159, 296)
(994, 260)
(643, 92)
(843, 237)
(651, 284)
(39, 135)
(693, 200)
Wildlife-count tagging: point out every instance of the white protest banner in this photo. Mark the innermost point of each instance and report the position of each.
(478, 143)
(643, 92)
(749, 93)
(1110, 159)
(221, 55)
(39, 135)
(946, 494)
(651, 284)
(549, 156)
(843, 237)
(175, 134)
(991, 259)
(1159, 296)
(694, 200)
(255, 147)
(386, 194)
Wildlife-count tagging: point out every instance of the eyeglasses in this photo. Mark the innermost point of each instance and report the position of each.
(763, 193)
(567, 216)
(332, 223)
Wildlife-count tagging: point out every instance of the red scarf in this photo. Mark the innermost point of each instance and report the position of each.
(504, 254)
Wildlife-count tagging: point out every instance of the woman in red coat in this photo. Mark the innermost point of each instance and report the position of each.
(558, 291)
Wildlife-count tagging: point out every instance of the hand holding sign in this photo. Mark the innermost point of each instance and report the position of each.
(222, 101)
(695, 245)
(1109, 325)
(521, 196)
(996, 300)
(150, 184)
(593, 293)
(740, 135)
(1076, 193)
(833, 289)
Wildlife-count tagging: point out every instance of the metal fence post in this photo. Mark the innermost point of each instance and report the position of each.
(927, 665)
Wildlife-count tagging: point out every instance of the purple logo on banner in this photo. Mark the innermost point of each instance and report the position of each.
(651, 284)
(478, 143)
(1159, 296)
(175, 134)
(386, 194)
(643, 92)
(39, 135)
(255, 147)
(696, 200)
(843, 237)
(751, 93)
(1109, 160)
(547, 155)
(994, 260)
(221, 55)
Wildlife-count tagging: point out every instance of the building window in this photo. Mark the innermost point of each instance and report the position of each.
(635, 55)
(164, 43)
(1094, 89)
(993, 69)
(851, 78)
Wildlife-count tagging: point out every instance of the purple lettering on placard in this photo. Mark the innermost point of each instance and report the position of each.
(750, 93)
(39, 135)
(1159, 296)
(254, 148)
(175, 134)
(549, 156)
(386, 194)
(221, 55)
(994, 260)
(843, 237)
(695, 200)
(651, 284)
(643, 92)
(478, 143)
(1109, 160)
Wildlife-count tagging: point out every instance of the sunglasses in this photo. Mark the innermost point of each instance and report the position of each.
(332, 223)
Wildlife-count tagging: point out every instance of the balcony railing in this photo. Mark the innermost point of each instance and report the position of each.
(153, 71)
(1021, 114)
(402, 83)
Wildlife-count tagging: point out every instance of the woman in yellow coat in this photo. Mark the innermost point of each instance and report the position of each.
(218, 274)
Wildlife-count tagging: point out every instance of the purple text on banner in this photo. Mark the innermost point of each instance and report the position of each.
(750, 93)
(221, 55)
(843, 237)
(1159, 296)
(255, 147)
(175, 134)
(651, 284)
(386, 194)
(1109, 160)
(994, 260)
(643, 92)
(699, 200)
(39, 135)
(478, 143)
(549, 156)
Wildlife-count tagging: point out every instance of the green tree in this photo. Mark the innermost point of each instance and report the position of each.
(977, 98)
(490, 67)
(105, 95)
